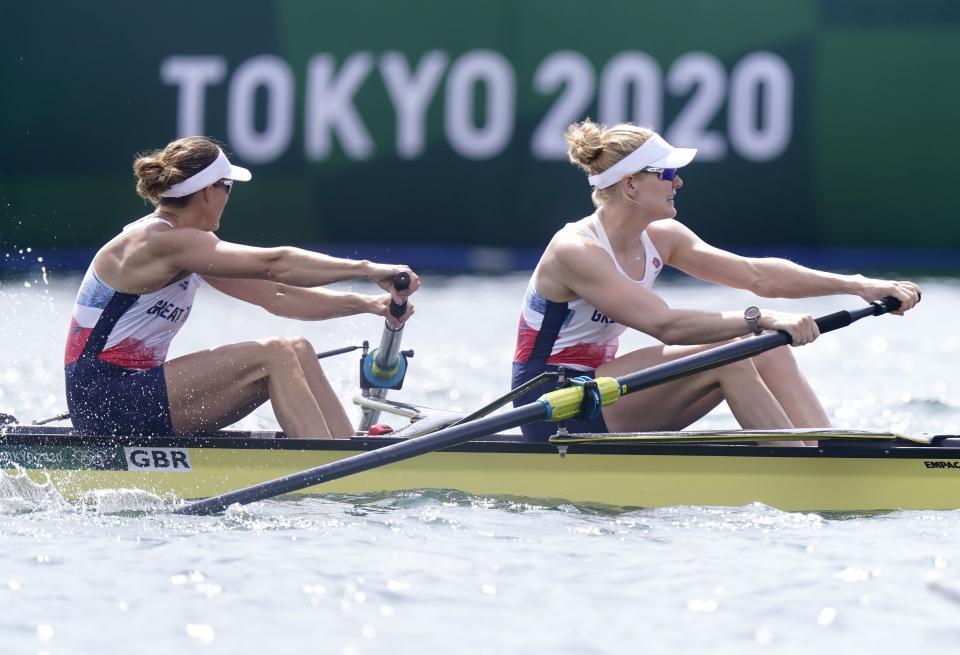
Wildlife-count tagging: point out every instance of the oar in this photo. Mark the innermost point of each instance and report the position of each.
(387, 362)
(557, 405)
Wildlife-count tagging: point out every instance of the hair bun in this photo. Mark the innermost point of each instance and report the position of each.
(159, 170)
(585, 141)
(153, 176)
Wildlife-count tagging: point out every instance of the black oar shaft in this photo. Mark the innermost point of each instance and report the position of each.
(700, 362)
(372, 459)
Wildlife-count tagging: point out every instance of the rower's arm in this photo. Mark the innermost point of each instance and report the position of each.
(197, 251)
(766, 277)
(769, 277)
(300, 303)
(590, 274)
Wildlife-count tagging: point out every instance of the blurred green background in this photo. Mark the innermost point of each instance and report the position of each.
(437, 125)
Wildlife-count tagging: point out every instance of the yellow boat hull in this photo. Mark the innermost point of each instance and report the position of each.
(640, 475)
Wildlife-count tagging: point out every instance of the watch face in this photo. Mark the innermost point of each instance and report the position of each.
(751, 313)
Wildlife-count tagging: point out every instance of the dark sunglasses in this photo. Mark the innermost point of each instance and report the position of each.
(226, 184)
(664, 173)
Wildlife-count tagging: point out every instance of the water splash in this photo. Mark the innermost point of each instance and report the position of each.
(20, 494)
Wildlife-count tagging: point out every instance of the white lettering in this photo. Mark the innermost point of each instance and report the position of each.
(572, 71)
(330, 107)
(411, 94)
(465, 137)
(193, 75)
(641, 71)
(760, 124)
(274, 75)
(480, 101)
(703, 74)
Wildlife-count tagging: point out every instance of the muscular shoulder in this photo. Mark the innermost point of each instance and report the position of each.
(165, 240)
(139, 261)
(670, 236)
(574, 250)
(569, 257)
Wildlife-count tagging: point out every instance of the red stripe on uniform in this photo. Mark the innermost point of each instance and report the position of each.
(132, 353)
(76, 339)
(588, 355)
(526, 338)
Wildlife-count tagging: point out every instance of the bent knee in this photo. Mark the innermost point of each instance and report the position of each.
(302, 346)
(742, 368)
(776, 359)
(278, 349)
(292, 352)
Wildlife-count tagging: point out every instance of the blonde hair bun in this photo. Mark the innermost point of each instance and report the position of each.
(585, 141)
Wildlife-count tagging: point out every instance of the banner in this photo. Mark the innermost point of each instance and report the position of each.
(441, 123)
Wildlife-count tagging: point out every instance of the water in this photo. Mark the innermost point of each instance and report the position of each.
(442, 571)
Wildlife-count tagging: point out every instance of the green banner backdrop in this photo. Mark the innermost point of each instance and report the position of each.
(441, 122)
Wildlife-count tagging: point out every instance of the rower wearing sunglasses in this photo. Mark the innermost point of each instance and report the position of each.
(596, 279)
(139, 290)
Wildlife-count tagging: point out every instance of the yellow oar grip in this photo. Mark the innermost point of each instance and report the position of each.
(568, 402)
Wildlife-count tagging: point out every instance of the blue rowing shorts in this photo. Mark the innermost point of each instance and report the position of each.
(541, 431)
(112, 400)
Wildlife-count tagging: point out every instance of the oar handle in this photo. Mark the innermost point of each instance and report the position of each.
(401, 282)
(838, 320)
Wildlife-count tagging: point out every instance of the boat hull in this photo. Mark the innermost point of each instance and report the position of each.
(861, 477)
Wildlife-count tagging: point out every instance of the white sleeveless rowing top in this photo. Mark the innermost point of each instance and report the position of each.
(132, 330)
(575, 334)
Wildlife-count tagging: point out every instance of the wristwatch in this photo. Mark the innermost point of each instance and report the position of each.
(752, 316)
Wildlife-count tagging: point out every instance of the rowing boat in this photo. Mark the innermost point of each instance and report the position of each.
(849, 471)
(846, 471)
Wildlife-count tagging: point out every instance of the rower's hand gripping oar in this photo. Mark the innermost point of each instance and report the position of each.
(558, 405)
(385, 367)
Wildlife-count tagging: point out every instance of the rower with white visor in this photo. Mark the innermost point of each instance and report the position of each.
(139, 291)
(595, 280)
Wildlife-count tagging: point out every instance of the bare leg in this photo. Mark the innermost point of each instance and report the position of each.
(330, 406)
(212, 388)
(779, 370)
(673, 406)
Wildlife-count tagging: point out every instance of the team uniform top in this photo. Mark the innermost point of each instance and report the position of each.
(575, 334)
(139, 327)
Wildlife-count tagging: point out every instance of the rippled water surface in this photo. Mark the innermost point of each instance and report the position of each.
(441, 571)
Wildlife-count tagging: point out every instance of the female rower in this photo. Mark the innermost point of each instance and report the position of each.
(138, 292)
(595, 280)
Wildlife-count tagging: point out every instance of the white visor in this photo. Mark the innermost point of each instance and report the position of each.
(654, 153)
(220, 169)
